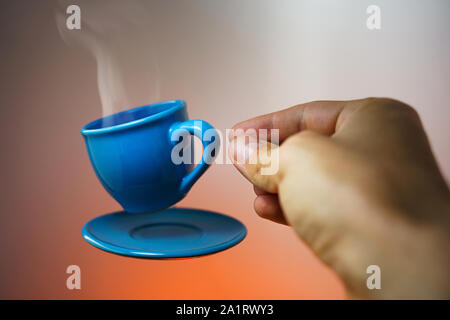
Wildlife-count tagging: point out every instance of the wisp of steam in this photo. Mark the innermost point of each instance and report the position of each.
(118, 35)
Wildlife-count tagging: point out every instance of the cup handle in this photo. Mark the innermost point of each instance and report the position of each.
(198, 128)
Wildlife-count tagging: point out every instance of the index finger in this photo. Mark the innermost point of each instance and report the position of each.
(320, 116)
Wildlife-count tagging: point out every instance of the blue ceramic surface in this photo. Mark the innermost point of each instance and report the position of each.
(131, 155)
(170, 233)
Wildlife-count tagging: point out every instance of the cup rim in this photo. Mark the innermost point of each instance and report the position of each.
(175, 106)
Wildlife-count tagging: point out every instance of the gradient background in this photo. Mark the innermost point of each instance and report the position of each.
(230, 60)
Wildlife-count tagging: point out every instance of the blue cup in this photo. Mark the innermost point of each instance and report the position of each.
(131, 152)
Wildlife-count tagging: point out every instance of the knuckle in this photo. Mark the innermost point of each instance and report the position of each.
(299, 142)
(297, 149)
(391, 105)
(300, 139)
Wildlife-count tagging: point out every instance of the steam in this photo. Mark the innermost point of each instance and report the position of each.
(118, 35)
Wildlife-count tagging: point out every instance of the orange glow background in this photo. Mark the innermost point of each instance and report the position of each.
(230, 61)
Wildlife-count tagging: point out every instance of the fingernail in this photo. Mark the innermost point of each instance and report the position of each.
(230, 135)
(243, 150)
(233, 133)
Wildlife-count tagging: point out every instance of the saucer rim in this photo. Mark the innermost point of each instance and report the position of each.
(114, 249)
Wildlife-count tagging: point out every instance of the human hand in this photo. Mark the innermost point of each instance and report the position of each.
(358, 182)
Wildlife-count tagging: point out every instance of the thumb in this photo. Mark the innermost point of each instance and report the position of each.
(258, 161)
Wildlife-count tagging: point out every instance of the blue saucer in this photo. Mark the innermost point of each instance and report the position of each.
(170, 233)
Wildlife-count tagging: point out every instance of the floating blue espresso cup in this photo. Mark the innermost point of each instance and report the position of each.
(131, 152)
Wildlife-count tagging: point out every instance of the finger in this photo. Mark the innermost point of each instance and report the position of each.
(324, 117)
(259, 191)
(257, 163)
(320, 116)
(233, 150)
(268, 207)
(384, 124)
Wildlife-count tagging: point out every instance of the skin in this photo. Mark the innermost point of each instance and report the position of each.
(358, 182)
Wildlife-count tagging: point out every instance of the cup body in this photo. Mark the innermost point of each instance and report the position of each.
(130, 152)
